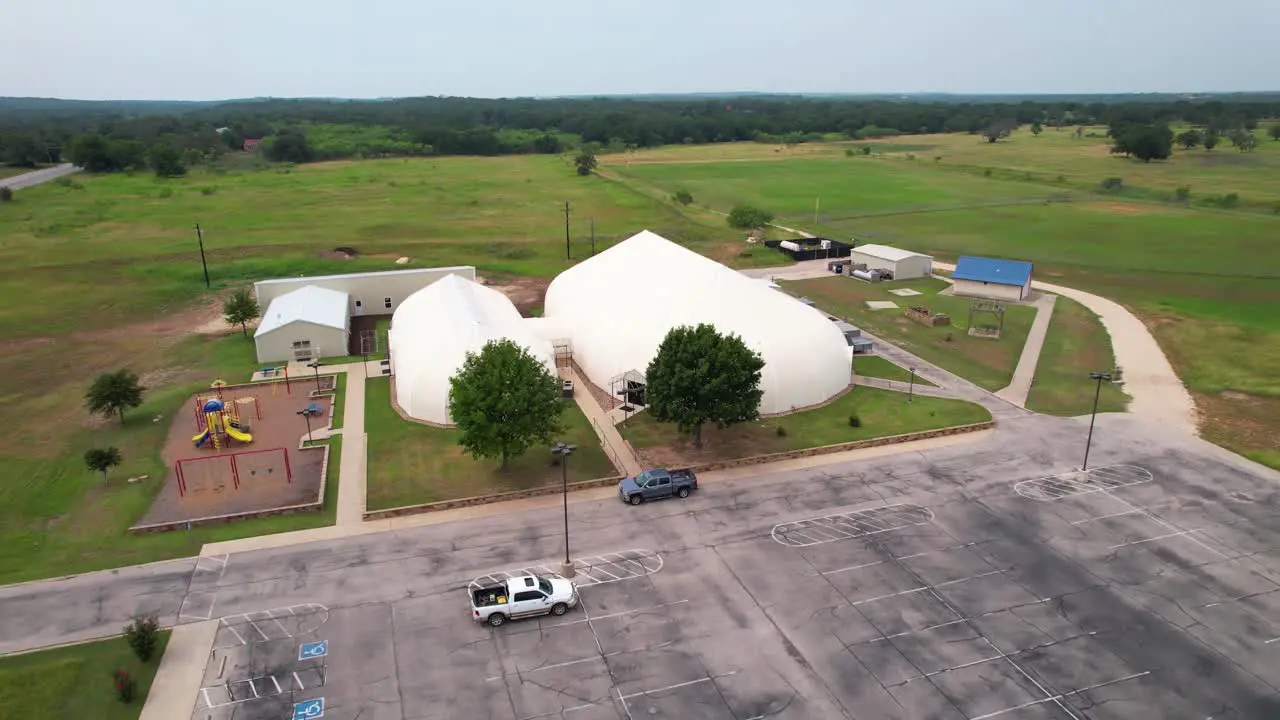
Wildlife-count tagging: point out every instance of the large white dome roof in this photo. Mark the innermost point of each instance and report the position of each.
(619, 305)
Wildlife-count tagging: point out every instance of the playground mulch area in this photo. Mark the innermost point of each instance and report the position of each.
(210, 486)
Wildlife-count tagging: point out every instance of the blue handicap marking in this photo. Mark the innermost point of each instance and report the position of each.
(313, 650)
(309, 710)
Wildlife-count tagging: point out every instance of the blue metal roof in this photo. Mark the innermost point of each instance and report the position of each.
(1000, 272)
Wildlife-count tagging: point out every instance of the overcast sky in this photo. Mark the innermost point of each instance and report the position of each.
(200, 49)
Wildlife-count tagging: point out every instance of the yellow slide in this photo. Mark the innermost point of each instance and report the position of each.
(243, 437)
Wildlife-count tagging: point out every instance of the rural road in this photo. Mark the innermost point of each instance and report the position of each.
(37, 177)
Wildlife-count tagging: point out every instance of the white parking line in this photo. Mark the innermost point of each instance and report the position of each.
(1102, 479)
(927, 587)
(814, 531)
(677, 685)
(309, 617)
(617, 614)
(1153, 539)
(1057, 698)
(900, 557)
(586, 568)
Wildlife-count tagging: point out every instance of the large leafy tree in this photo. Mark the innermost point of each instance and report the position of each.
(1145, 142)
(101, 460)
(1274, 131)
(1189, 139)
(289, 146)
(700, 376)
(585, 162)
(111, 393)
(239, 308)
(504, 401)
(167, 162)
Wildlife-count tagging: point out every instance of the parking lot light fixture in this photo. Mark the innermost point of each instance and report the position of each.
(563, 451)
(1099, 377)
(315, 365)
(911, 388)
(306, 415)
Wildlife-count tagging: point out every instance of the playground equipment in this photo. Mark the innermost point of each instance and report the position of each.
(277, 372)
(217, 420)
(267, 463)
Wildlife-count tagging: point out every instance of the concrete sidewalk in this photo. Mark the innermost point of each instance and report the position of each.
(177, 682)
(353, 470)
(611, 441)
(1023, 375)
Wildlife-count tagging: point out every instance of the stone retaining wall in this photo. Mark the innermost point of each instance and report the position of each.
(706, 467)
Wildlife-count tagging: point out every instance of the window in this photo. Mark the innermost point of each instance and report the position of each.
(386, 302)
(357, 303)
(545, 585)
(528, 595)
(301, 344)
(662, 480)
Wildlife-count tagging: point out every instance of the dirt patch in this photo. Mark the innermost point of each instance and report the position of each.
(265, 480)
(1239, 421)
(1126, 208)
(526, 293)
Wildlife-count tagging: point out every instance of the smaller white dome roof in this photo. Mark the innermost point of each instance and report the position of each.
(433, 330)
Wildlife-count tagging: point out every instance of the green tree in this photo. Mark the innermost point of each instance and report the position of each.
(6, 194)
(111, 393)
(547, 144)
(143, 635)
(700, 376)
(1145, 142)
(684, 197)
(167, 162)
(102, 459)
(1210, 139)
(239, 308)
(1036, 128)
(20, 150)
(1242, 139)
(999, 130)
(585, 162)
(1189, 139)
(289, 146)
(748, 217)
(504, 401)
(1274, 131)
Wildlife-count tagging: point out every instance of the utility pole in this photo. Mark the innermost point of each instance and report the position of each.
(815, 211)
(566, 231)
(203, 263)
(593, 237)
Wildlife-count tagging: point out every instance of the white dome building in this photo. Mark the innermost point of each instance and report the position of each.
(433, 330)
(619, 305)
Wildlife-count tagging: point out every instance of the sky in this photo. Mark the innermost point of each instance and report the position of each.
(204, 50)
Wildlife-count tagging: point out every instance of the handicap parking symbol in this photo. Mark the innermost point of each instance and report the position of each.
(309, 710)
(313, 650)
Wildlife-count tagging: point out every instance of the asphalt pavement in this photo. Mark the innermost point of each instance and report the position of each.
(955, 582)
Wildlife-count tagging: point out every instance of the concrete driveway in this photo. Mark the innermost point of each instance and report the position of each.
(36, 177)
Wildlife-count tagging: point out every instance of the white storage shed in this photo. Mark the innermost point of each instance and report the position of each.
(904, 264)
(304, 324)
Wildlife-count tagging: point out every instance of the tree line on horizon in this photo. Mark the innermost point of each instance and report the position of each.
(168, 139)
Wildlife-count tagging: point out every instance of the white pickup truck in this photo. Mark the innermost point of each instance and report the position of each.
(523, 596)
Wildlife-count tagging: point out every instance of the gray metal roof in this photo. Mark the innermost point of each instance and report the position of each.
(375, 273)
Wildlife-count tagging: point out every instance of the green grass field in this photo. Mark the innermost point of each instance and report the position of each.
(986, 362)
(1204, 279)
(878, 367)
(411, 464)
(1075, 346)
(74, 682)
(881, 413)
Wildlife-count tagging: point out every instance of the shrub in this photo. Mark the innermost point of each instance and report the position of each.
(1183, 194)
(206, 191)
(746, 217)
(1061, 178)
(911, 156)
(1229, 200)
(165, 192)
(1275, 207)
(866, 149)
(848, 152)
(948, 338)
(986, 172)
(780, 431)
(126, 686)
(64, 182)
(937, 158)
(684, 197)
(855, 421)
(143, 634)
(6, 194)
(1112, 184)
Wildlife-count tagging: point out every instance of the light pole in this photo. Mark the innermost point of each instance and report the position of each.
(203, 263)
(315, 365)
(306, 415)
(911, 388)
(564, 451)
(1099, 376)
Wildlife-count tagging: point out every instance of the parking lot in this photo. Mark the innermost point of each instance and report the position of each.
(1119, 593)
